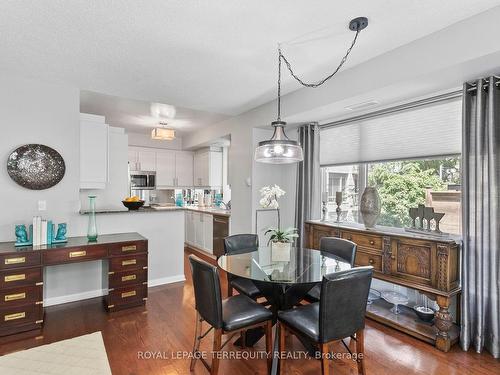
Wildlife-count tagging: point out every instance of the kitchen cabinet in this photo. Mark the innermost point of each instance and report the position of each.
(165, 168)
(142, 159)
(220, 232)
(208, 232)
(189, 228)
(184, 168)
(199, 230)
(208, 169)
(94, 144)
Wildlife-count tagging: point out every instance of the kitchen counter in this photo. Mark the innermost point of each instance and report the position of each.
(207, 210)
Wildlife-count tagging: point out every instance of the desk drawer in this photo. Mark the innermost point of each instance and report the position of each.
(21, 259)
(125, 263)
(127, 296)
(125, 278)
(19, 315)
(365, 259)
(127, 248)
(364, 240)
(20, 277)
(58, 256)
(21, 296)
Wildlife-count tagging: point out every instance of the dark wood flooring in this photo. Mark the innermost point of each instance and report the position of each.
(165, 327)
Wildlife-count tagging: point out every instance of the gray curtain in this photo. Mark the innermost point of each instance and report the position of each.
(308, 193)
(481, 217)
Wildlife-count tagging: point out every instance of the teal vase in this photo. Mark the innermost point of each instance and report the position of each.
(92, 228)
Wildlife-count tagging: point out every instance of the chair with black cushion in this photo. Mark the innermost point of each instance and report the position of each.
(241, 244)
(339, 314)
(338, 247)
(229, 316)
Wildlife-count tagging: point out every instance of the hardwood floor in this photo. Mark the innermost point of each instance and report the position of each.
(166, 326)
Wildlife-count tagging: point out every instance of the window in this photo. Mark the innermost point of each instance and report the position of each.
(401, 184)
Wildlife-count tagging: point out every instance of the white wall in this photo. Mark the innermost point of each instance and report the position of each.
(37, 112)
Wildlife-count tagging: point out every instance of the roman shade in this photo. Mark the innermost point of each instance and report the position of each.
(419, 131)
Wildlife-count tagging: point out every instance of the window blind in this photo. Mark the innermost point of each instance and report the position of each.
(427, 130)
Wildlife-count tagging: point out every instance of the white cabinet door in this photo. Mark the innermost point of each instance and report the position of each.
(147, 160)
(184, 168)
(201, 172)
(215, 178)
(165, 168)
(208, 229)
(93, 155)
(198, 230)
(133, 160)
(190, 234)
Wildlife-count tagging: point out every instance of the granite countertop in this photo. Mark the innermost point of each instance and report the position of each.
(380, 229)
(208, 210)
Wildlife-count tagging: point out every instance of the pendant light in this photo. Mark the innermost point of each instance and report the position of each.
(163, 133)
(280, 149)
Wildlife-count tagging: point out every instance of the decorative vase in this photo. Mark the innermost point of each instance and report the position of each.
(92, 228)
(280, 251)
(370, 207)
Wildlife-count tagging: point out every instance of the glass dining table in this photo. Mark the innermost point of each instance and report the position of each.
(283, 278)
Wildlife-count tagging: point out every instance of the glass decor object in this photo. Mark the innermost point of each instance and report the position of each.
(396, 299)
(280, 149)
(92, 228)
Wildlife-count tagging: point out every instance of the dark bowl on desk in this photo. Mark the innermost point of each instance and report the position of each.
(133, 205)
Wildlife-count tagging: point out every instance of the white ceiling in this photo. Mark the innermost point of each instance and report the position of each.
(217, 56)
(140, 116)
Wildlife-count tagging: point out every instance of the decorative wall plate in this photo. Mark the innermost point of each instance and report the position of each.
(35, 166)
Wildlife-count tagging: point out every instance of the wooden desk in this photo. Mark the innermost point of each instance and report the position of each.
(419, 261)
(125, 275)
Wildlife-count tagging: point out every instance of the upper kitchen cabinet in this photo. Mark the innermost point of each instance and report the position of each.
(208, 169)
(165, 168)
(184, 168)
(142, 159)
(94, 145)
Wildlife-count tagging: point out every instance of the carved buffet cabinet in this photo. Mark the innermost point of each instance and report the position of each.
(429, 264)
(125, 275)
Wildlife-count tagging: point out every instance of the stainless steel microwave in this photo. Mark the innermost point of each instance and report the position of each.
(142, 180)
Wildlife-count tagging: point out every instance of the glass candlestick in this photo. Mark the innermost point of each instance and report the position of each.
(92, 227)
(338, 201)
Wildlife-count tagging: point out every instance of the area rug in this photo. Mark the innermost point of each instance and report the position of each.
(83, 355)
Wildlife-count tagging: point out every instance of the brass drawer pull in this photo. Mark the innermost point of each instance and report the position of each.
(14, 297)
(14, 316)
(10, 278)
(76, 254)
(372, 242)
(129, 248)
(129, 294)
(129, 262)
(371, 261)
(129, 277)
(15, 260)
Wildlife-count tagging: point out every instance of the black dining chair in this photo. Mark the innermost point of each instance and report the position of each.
(343, 249)
(241, 244)
(232, 315)
(339, 314)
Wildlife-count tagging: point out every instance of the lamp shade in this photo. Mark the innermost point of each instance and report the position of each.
(279, 149)
(163, 134)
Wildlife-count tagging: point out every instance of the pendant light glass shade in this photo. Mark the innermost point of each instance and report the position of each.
(279, 149)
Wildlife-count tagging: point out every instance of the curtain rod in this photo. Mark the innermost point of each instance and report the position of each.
(398, 108)
(484, 86)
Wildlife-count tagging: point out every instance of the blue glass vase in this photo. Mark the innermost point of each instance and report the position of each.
(92, 228)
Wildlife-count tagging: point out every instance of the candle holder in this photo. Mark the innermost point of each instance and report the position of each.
(324, 210)
(338, 201)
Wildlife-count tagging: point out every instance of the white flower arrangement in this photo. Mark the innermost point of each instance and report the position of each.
(270, 196)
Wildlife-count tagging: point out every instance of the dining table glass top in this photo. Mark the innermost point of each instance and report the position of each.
(299, 266)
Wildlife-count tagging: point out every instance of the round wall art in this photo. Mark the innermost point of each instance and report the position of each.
(35, 166)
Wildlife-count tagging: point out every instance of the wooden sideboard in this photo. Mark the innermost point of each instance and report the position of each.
(125, 275)
(426, 263)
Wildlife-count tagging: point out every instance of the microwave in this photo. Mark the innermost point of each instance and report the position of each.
(142, 180)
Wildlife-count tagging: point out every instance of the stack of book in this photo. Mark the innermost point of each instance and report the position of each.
(42, 231)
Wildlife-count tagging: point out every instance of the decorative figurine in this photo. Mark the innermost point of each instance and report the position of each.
(425, 213)
(61, 233)
(22, 238)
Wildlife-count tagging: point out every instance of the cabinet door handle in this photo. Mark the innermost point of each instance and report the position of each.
(15, 260)
(393, 257)
(76, 254)
(15, 316)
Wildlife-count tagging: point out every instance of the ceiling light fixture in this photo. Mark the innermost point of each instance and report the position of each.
(163, 133)
(280, 149)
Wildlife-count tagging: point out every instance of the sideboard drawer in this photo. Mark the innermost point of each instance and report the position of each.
(364, 240)
(125, 278)
(131, 295)
(21, 295)
(131, 262)
(58, 256)
(19, 315)
(366, 259)
(127, 248)
(21, 259)
(20, 277)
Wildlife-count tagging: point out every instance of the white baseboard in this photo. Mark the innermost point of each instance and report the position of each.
(102, 292)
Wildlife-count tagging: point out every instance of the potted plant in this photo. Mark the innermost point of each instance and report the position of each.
(280, 240)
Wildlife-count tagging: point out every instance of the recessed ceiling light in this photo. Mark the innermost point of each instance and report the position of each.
(363, 105)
